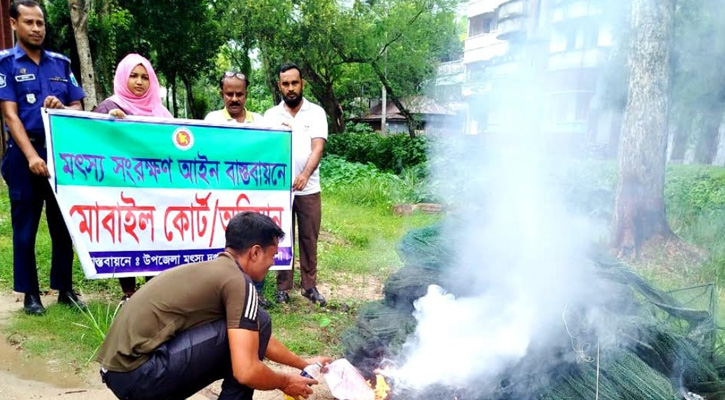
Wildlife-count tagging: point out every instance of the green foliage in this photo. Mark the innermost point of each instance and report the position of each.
(109, 28)
(259, 98)
(695, 190)
(407, 38)
(365, 184)
(98, 319)
(362, 183)
(335, 43)
(388, 153)
(59, 31)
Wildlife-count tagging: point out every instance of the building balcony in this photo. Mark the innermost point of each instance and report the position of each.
(450, 73)
(512, 21)
(570, 10)
(451, 68)
(512, 9)
(479, 7)
(585, 58)
(512, 28)
(475, 88)
(483, 48)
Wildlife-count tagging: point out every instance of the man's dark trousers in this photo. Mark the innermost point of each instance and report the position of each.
(186, 364)
(28, 192)
(307, 215)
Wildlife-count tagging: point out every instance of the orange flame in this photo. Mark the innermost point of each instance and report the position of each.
(381, 387)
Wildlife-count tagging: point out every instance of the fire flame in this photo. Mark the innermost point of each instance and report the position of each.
(381, 387)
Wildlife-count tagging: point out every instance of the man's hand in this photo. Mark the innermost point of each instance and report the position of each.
(117, 113)
(52, 102)
(300, 182)
(320, 359)
(298, 386)
(37, 166)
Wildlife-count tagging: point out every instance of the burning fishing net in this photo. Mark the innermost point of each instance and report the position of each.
(657, 345)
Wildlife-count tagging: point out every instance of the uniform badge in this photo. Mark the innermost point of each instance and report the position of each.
(30, 97)
(3, 81)
(24, 78)
(22, 70)
(73, 80)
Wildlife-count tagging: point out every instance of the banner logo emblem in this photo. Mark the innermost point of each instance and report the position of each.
(183, 139)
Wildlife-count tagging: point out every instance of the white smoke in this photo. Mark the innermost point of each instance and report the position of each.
(519, 254)
(520, 257)
(457, 337)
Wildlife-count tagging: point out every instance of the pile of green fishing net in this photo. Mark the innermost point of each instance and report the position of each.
(666, 345)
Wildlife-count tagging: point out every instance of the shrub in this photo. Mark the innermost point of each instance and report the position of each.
(366, 184)
(391, 153)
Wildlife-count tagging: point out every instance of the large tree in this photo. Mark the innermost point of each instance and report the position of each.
(396, 42)
(402, 41)
(299, 32)
(639, 213)
(698, 101)
(79, 11)
(183, 37)
(111, 39)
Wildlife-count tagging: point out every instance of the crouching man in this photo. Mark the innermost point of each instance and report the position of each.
(198, 323)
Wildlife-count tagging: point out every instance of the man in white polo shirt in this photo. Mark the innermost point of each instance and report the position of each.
(309, 134)
(233, 89)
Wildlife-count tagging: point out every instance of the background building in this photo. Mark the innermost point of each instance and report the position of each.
(551, 52)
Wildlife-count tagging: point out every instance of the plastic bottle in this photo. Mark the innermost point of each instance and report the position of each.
(311, 371)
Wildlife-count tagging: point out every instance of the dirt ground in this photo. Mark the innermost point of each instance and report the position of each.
(24, 378)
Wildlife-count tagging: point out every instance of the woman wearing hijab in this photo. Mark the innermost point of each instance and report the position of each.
(135, 92)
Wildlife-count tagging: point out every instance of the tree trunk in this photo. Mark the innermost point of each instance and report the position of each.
(168, 104)
(105, 51)
(79, 10)
(334, 111)
(174, 104)
(615, 132)
(720, 153)
(271, 74)
(325, 94)
(639, 210)
(190, 99)
(409, 118)
(706, 135)
(680, 137)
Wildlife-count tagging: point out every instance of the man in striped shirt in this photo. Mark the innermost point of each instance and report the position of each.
(198, 323)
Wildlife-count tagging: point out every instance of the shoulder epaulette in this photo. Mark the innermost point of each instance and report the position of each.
(58, 56)
(5, 53)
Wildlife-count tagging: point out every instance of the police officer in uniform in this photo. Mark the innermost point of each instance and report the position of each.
(31, 78)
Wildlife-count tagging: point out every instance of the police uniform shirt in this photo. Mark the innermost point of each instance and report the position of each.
(28, 84)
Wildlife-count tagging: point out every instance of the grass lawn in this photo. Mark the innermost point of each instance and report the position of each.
(356, 254)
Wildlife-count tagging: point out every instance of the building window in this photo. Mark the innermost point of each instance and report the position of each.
(583, 105)
(605, 38)
(480, 24)
(488, 25)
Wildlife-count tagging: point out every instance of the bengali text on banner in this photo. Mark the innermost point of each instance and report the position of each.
(141, 195)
